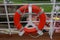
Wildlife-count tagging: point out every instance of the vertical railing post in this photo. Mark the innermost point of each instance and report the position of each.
(51, 30)
(7, 16)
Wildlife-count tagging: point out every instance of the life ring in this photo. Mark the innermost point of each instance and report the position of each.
(36, 10)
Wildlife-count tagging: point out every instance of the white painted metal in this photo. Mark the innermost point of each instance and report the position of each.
(32, 4)
(30, 16)
(51, 29)
(7, 16)
(27, 21)
(26, 13)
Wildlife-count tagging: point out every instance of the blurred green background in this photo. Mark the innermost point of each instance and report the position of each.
(47, 8)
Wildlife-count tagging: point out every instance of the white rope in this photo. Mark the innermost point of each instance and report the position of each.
(34, 36)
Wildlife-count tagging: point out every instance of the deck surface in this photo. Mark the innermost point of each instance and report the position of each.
(56, 36)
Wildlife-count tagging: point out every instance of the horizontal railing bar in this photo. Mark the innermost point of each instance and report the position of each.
(28, 21)
(27, 13)
(3, 22)
(32, 4)
(7, 29)
(14, 30)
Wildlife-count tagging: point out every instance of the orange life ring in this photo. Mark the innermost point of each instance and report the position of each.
(36, 10)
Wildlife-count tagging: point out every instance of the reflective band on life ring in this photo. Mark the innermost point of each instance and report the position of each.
(36, 10)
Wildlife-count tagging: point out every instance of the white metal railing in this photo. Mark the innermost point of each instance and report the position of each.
(27, 13)
(51, 24)
(28, 21)
(33, 4)
(7, 16)
(12, 30)
(24, 4)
